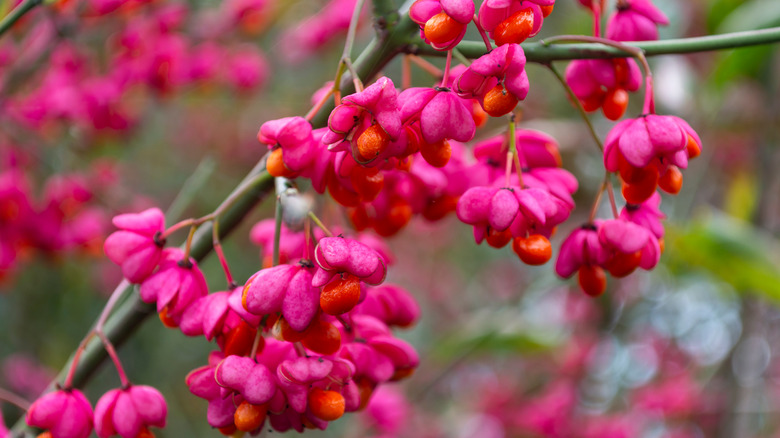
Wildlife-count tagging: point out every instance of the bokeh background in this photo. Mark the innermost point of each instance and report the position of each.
(691, 349)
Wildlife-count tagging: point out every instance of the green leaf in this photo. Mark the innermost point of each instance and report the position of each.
(731, 250)
(755, 14)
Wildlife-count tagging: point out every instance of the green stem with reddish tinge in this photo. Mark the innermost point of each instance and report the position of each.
(14, 399)
(319, 223)
(577, 104)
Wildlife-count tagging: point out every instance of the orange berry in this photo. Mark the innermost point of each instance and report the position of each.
(404, 164)
(499, 102)
(639, 192)
(622, 71)
(228, 430)
(615, 103)
(307, 423)
(547, 10)
(401, 374)
(326, 405)
(249, 417)
(322, 337)
(367, 182)
(438, 208)
(631, 174)
(372, 142)
(252, 22)
(621, 264)
(671, 181)
(341, 194)
(498, 239)
(145, 433)
(400, 214)
(515, 29)
(533, 250)
(340, 295)
(441, 29)
(271, 320)
(358, 216)
(592, 280)
(239, 340)
(478, 114)
(437, 154)
(166, 318)
(694, 149)
(594, 101)
(287, 333)
(275, 165)
(366, 389)
(412, 141)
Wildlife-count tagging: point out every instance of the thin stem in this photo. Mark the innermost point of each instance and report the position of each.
(611, 194)
(355, 77)
(319, 223)
(316, 108)
(346, 54)
(483, 34)
(115, 358)
(578, 105)
(543, 54)
(188, 244)
(14, 399)
(278, 211)
(353, 23)
(508, 170)
(68, 383)
(256, 344)
(596, 202)
(513, 149)
(220, 254)
(300, 350)
(427, 66)
(307, 238)
(406, 72)
(461, 57)
(17, 13)
(445, 78)
(649, 105)
(98, 330)
(177, 226)
(597, 10)
(342, 67)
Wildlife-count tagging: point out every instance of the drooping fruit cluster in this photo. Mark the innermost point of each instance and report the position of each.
(605, 83)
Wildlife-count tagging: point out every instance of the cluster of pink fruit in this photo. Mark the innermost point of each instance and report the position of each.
(153, 50)
(299, 344)
(388, 155)
(304, 341)
(65, 219)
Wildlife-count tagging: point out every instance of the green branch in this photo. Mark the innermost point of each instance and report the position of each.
(544, 54)
(17, 13)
